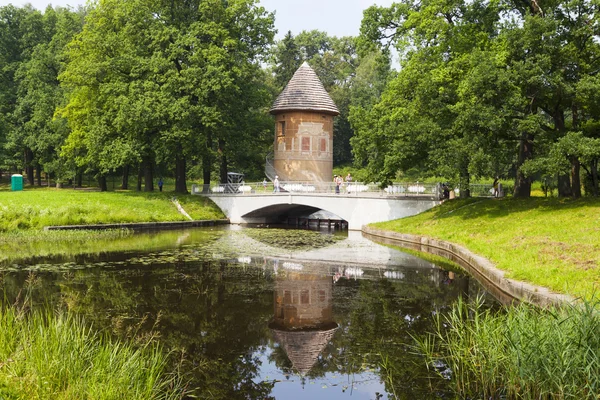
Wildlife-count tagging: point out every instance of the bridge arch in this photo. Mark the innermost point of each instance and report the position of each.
(357, 211)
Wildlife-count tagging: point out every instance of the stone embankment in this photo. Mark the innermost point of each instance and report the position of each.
(141, 226)
(491, 278)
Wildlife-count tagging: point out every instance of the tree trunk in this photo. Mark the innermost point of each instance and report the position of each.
(575, 177)
(148, 175)
(223, 164)
(523, 183)
(102, 183)
(594, 168)
(79, 179)
(139, 177)
(29, 166)
(125, 181)
(38, 174)
(180, 174)
(564, 186)
(207, 160)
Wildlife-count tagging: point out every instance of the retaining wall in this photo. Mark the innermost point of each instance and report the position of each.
(141, 226)
(491, 278)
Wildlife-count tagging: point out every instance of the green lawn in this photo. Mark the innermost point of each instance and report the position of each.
(34, 209)
(548, 242)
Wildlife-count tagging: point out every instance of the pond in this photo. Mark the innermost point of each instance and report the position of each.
(257, 313)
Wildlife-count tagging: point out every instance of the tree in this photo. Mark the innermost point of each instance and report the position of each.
(36, 131)
(158, 81)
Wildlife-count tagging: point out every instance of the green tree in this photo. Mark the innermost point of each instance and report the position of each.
(160, 82)
(35, 130)
(21, 29)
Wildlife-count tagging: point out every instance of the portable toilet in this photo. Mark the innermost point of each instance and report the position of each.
(16, 182)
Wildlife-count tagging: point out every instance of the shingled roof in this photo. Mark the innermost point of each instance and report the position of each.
(304, 92)
(303, 347)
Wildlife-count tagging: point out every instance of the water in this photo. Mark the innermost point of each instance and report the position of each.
(255, 320)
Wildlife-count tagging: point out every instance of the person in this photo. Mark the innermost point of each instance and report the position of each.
(348, 182)
(160, 184)
(445, 191)
(495, 185)
(276, 184)
(338, 183)
(265, 184)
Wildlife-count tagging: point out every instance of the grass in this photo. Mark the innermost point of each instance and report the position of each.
(34, 209)
(546, 241)
(48, 355)
(521, 353)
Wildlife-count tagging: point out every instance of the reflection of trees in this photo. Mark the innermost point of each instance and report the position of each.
(214, 315)
(376, 320)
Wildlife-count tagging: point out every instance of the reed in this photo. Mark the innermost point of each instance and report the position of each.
(522, 352)
(51, 355)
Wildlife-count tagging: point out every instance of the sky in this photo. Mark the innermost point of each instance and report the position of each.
(336, 17)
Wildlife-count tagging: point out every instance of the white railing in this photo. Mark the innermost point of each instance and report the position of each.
(404, 189)
(270, 171)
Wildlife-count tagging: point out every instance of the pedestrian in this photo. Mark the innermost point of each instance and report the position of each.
(348, 182)
(338, 183)
(276, 184)
(265, 184)
(160, 184)
(495, 185)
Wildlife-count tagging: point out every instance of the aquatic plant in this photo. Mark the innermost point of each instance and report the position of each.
(292, 239)
(522, 352)
(50, 355)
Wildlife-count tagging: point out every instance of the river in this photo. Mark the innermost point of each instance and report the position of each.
(249, 313)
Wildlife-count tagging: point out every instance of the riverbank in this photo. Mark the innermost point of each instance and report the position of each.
(50, 355)
(554, 243)
(36, 209)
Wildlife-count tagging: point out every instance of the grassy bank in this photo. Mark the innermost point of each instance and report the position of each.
(48, 356)
(548, 242)
(520, 353)
(34, 209)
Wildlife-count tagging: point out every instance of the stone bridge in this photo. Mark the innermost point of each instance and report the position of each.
(357, 210)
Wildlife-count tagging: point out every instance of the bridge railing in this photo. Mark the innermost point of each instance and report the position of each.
(404, 189)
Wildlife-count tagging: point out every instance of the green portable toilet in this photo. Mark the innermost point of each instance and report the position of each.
(16, 182)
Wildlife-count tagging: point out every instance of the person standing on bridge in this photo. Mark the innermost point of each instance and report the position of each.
(276, 184)
(348, 182)
(338, 183)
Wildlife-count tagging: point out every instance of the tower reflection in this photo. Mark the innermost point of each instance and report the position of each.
(303, 316)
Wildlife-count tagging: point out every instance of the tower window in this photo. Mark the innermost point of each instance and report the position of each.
(305, 144)
(281, 128)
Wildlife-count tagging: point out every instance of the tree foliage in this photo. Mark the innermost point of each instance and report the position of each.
(481, 84)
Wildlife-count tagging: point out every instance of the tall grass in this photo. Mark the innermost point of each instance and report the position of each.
(523, 352)
(49, 355)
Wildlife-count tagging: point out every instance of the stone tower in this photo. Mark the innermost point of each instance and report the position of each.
(304, 114)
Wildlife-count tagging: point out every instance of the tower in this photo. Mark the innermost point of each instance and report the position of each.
(304, 114)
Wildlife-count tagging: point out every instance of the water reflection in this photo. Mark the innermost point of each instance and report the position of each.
(303, 316)
(252, 326)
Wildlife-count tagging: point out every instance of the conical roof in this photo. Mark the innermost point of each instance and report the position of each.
(303, 347)
(304, 92)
